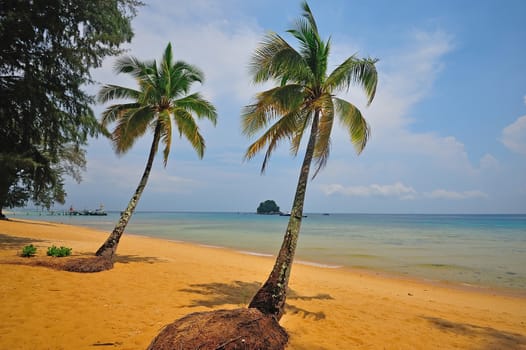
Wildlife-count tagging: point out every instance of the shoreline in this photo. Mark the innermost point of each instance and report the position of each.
(372, 271)
(156, 281)
(421, 248)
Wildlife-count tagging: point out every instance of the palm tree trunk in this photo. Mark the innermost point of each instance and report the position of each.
(270, 298)
(109, 247)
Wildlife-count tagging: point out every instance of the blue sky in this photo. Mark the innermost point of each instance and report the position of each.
(448, 121)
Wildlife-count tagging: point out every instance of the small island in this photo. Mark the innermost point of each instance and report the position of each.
(268, 207)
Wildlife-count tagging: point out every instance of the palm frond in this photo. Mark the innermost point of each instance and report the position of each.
(165, 122)
(307, 13)
(166, 68)
(132, 124)
(351, 118)
(355, 71)
(309, 44)
(149, 86)
(313, 49)
(112, 92)
(120, 139)
(182, 76)
(132, 65)
(195, 103)
(276, 59)
(270, 105)
(189, 129)
(323, 137)
(114, 112)
(304, 120)
(167, 56)
(283, 128)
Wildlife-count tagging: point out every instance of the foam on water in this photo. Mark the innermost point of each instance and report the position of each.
(254, 253)
(325, 266)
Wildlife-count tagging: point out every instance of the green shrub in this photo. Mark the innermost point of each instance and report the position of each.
(29, 251)
(58, 252)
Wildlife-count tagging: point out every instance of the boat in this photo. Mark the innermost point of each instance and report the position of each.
(96, 212)
(288, 214)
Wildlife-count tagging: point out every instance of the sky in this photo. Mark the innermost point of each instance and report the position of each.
(448, 123)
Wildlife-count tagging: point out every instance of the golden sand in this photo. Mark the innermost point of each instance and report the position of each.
(156, 281)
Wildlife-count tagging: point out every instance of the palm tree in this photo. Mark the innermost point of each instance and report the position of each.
(304, 98)
(161, 102)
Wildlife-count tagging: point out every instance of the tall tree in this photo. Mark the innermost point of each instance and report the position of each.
(48, 50)
(304, 99)
(161, 101)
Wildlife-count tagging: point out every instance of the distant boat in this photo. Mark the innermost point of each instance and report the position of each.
(97, 212)
(288, 214)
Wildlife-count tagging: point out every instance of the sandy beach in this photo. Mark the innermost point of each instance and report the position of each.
(156, 281)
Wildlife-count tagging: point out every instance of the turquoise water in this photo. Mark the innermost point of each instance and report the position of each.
(480, 250)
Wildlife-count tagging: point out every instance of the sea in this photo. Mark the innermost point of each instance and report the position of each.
(486, 251)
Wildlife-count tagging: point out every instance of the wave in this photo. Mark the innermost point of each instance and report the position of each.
(254, 253)
(325, 266)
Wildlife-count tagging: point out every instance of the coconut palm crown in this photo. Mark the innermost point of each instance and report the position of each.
(304, 98)
(161, 103)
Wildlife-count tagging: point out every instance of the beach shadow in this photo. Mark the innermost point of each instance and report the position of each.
(128, 259)
(496, 339)
(236, 293)
(40, 223)
(294, 310)
(13, 242)
(240, 293)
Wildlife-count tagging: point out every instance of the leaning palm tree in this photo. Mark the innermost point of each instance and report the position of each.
(161, 102)
(305, 98)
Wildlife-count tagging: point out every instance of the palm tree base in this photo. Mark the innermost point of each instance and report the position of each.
(106, 251)
(88, 265)
(222, 329)
(71, 264)
(267, 301)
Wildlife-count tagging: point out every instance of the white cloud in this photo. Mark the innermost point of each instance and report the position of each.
(489, 162)
(405, 79)
(218, 45)
(445, 194)
(162, 182)
(397, 189)
(203, 34)
(125, 177)
(514, 135)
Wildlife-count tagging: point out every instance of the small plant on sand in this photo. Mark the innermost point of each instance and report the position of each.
(29, 251)
(58, 252)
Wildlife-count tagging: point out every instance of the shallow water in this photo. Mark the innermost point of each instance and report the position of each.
(480, 250)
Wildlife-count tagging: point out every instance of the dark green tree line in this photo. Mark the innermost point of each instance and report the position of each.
(48, 48)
